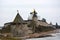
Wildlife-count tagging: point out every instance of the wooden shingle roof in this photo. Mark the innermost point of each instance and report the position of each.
(18, 19)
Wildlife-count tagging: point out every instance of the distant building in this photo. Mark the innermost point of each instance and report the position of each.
(20, 27)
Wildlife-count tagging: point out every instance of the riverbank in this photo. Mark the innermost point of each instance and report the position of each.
(42, 34)
(56, 36)
(35, 35)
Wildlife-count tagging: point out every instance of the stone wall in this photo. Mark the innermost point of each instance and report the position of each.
(20, 30)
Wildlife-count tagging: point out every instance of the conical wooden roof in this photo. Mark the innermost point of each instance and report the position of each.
(18, 19)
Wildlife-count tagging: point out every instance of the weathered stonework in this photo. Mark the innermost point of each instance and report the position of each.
(20, 27)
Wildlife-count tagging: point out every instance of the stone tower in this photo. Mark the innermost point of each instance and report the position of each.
(17, 25)
(34, 21)
(35, 18)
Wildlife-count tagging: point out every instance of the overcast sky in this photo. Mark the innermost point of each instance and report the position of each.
(48, 9)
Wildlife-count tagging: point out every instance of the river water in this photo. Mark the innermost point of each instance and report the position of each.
(55, 36)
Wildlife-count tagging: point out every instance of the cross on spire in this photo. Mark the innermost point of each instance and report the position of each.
(17, 11)
(34, 12)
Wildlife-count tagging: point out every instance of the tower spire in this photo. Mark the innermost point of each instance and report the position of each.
(18, 18)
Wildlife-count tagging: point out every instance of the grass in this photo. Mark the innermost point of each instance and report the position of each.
(9, 38)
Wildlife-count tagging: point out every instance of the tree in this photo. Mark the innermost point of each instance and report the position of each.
(43, 19)
(50, 23)
(56, 25)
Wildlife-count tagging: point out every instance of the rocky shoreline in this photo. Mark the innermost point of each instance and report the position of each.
(41, 34)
